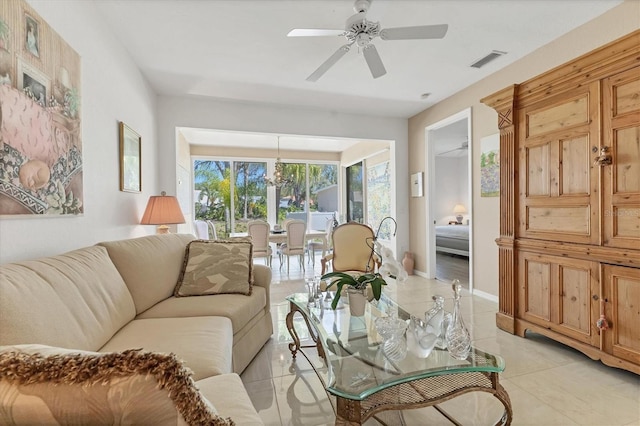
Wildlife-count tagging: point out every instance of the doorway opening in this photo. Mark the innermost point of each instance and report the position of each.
(449, 199)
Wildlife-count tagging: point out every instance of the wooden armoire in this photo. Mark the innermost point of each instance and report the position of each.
(569, 246)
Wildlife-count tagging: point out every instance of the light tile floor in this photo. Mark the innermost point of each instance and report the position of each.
(548, 383)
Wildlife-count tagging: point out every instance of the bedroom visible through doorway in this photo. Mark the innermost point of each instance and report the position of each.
(449, 199)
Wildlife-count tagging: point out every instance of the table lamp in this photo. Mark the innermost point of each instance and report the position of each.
(162, 210)
(459, 210)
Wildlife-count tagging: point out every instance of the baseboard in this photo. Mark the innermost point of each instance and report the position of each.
(485, 295)
(421, 274)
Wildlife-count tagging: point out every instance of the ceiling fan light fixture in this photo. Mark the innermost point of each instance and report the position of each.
(361, 32)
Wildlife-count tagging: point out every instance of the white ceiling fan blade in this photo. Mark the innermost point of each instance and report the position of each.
(329, 63)
(373, 60)
(415, 33)
(313, 32)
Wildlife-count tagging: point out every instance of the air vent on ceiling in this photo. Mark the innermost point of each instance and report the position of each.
(490, 57)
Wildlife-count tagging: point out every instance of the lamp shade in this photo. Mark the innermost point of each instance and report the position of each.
(162, 210)
(459, 208)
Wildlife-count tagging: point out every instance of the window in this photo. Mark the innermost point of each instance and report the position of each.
(379, 199)
(250, 193)
(355, 200)
(312, 192)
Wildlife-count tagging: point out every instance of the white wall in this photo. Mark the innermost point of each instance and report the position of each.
(615, 23)
(112, 90)
(176, 112)
(452, 187)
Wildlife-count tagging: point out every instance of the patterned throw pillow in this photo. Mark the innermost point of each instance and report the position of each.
(216, 267)
(42, 384)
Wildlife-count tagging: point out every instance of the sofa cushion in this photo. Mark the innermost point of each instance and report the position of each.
(238, 308)
(150, 266)
(228, 394)
(74, 300)
(130, 387)
(216, 267)
(204, 343)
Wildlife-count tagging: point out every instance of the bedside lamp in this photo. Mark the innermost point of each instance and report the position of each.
(162, 210)
(459, 210)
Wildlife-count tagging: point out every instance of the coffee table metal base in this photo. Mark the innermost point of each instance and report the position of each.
(426, 392)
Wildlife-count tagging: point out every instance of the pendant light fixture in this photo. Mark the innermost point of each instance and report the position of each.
(278, 180)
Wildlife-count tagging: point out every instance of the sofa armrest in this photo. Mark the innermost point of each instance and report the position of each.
(262, 278)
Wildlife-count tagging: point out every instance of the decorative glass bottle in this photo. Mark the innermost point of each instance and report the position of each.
(457, 336)
(432, 314)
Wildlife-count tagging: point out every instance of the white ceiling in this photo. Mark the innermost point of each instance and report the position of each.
(239, 49)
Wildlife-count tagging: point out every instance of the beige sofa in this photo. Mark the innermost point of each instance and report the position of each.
(111, 307)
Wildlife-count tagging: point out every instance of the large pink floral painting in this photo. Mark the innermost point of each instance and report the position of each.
(40, 139)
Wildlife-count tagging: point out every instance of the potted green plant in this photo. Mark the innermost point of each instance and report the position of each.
(358, 283)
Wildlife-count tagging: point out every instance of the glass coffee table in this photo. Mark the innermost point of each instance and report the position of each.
(365, 380)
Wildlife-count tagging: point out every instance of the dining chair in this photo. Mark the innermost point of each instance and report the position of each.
(202, 229)
(212, 230)
(323, 244)
(294, 246)
(352, 252)
(259, 230)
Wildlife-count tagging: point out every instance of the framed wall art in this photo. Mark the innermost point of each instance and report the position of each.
(41, 167)
(490, 166)
(32, 35)
(416, 185)
(130, 159)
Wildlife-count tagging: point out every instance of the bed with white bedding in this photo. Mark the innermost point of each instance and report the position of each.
(453, 239)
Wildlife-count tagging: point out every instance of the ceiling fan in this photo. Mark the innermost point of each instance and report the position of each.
(458, 150)
(361, 32)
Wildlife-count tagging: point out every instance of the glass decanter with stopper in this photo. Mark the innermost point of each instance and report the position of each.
(439, 319)
(457, 336)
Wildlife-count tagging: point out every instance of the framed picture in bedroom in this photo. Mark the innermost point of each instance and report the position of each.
(130, 159)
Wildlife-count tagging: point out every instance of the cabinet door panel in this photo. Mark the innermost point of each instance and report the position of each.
(538, 173)
(559, 200)
(537, 291)
(622, 292)
(626, 96)
(574, 166)
(621, 184)
(565, 220)
(627, 165)
(559, 116)
(558, 293)
(575, 299)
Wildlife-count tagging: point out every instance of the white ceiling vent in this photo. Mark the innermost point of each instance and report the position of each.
(490, 57)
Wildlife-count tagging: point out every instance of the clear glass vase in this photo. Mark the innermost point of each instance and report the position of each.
(439, 318)
(457, 337)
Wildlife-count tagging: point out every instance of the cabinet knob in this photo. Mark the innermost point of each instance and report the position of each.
(604, 159)
(602, 323)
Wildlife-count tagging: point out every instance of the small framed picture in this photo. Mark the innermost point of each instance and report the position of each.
(33, 83)
(416, 184)
(32, 35)
(130, 159)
